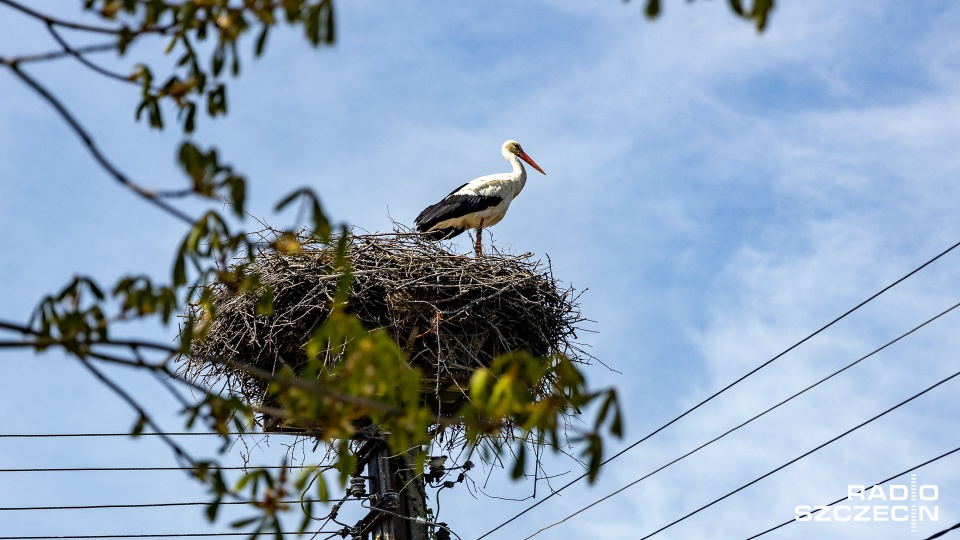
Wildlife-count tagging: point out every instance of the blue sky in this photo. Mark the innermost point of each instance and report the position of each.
(721, 194)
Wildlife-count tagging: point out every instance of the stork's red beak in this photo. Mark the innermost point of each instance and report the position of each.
(526, 158)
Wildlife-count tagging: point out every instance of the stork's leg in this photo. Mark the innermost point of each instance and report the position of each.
(478, 247)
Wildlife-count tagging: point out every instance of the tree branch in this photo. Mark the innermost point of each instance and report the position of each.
(56, 55)
(144, 416)
(79, 26)
(144, 193)
(74, 53)
(43, 341)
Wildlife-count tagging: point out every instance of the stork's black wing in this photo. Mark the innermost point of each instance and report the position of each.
(453, 206)
(443, 234)
(463, 185)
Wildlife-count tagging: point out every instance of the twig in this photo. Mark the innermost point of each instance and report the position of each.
(144, 193)
(76, 54)
(144, 417)
(80, 26)
(56, 55)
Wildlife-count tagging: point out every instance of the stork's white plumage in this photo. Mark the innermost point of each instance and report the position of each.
(479, 203)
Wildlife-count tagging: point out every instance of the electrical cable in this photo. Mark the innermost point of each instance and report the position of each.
(725, 388)
(148, 434)
(943, 532)
(742, 424)
(898, 475)
(332, 516)
(417, 520)
(141, 505)
(801, 456)
(167, 535)
(151, 469)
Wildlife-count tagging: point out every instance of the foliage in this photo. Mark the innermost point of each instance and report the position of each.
(758, 12)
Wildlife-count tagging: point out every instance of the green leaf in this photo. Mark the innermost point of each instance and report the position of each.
(219, 52)
(124, 38)
(520, 462)
(238, 194)
(235, 64)
(321, 226)
(94, 288)
(180, 268)
(331, 22)
(653, 8)
(139, 426)
(760, 13)
(319, 221)
(212, 509)
(245, 479)
(289, 199)
(241, 523)
(594, 452)
(323, 493)
(155, 115)
(217, 101)
(265, 303)
(261, 41)
(312, 26)
(189, 114)
(480, 384)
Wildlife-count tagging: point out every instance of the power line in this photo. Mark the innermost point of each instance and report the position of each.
(78, 435)
(149, 469)
(898, 475)
(725, 388)
(801, 456)
(167, 535)
(742, 424)
(144, 505)
(150, 434)
(943, 532)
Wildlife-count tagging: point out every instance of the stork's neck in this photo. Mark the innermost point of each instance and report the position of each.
(518, 175)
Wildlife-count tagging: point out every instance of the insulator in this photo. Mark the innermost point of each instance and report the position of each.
(358, 487)
(437, 470)
(442, 534)
(391, 501)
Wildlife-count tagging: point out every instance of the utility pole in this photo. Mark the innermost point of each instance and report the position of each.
(396, 494)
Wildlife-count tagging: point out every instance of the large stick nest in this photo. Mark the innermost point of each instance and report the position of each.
(450, 313)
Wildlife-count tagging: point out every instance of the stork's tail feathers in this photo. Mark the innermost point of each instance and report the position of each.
(441, 234)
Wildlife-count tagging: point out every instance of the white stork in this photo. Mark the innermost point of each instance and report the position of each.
(479, 203)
